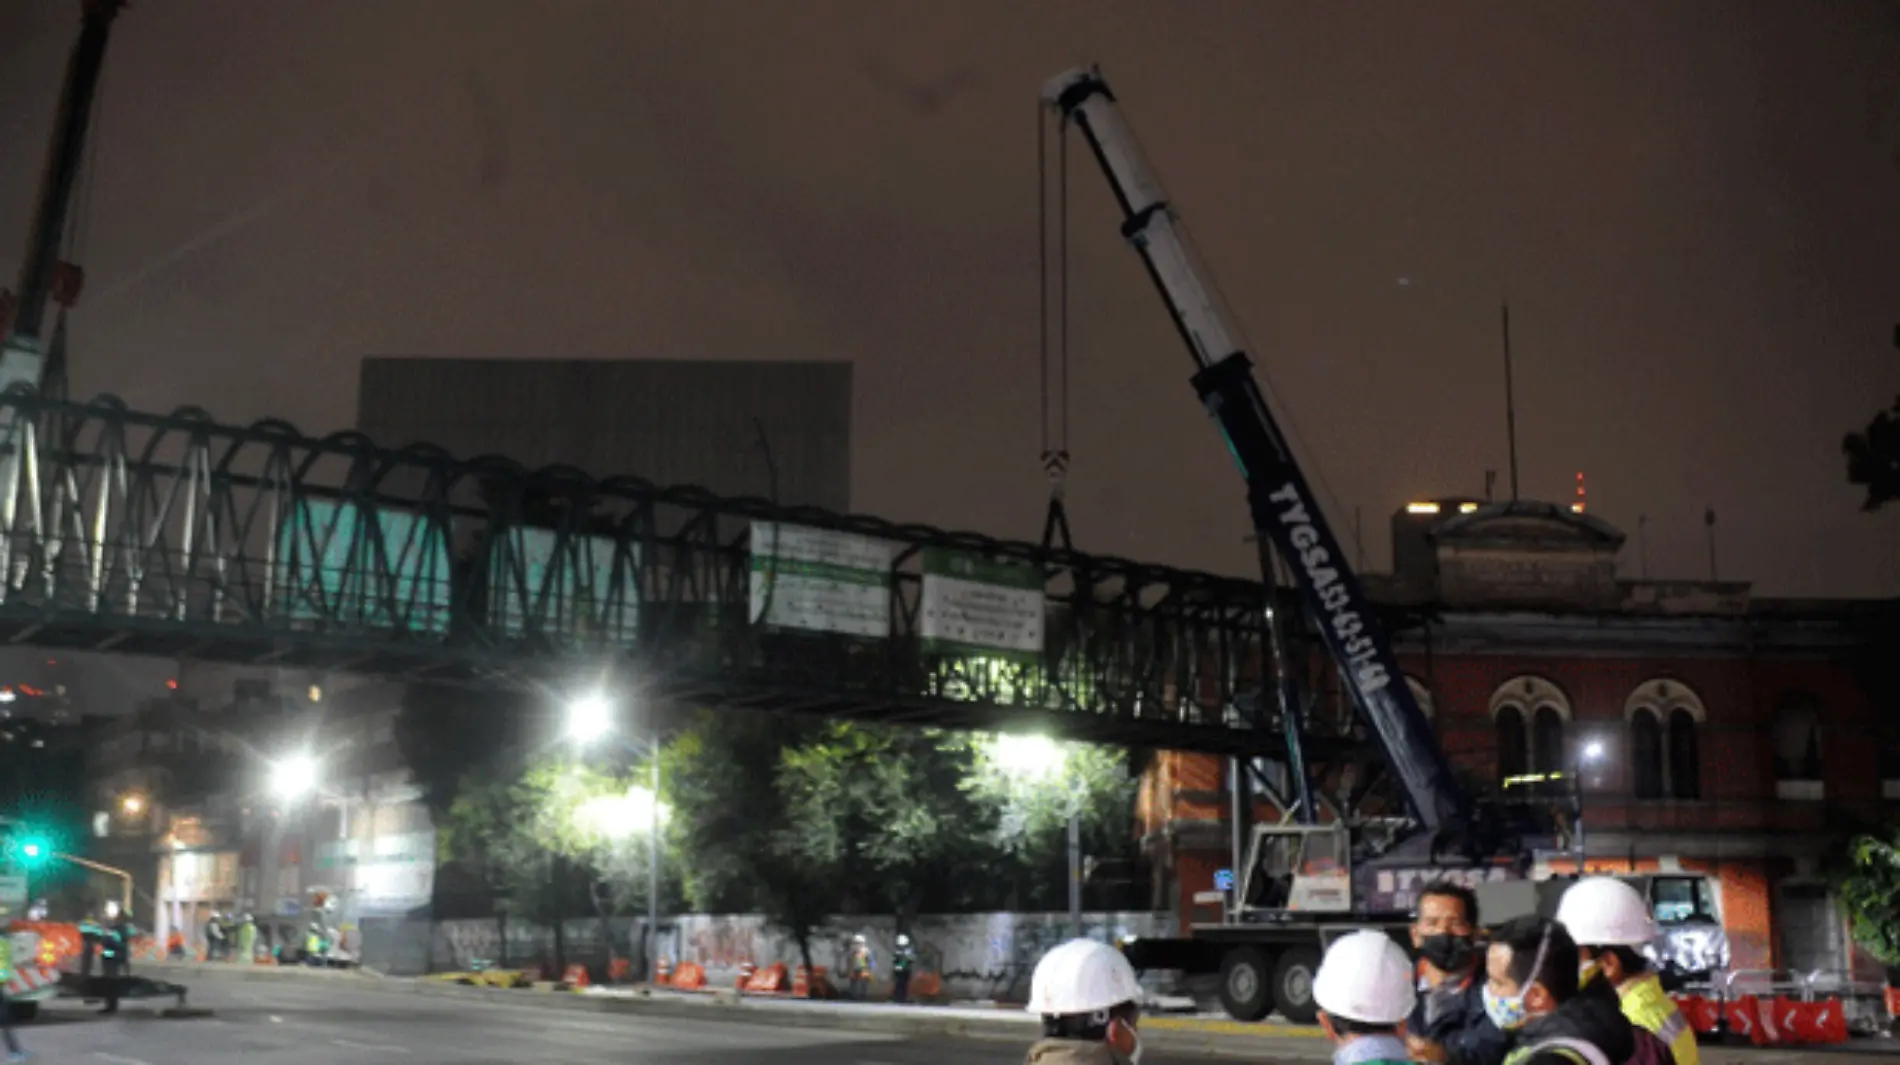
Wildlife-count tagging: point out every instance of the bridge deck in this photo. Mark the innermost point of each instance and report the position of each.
(174, 535)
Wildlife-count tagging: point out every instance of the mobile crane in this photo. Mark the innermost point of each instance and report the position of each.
(1301, 883)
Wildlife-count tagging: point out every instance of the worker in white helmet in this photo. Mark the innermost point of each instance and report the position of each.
(1365, 991)
(1090, 1003)
(1611, 922)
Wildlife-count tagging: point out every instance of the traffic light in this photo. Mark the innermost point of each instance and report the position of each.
(29, 849)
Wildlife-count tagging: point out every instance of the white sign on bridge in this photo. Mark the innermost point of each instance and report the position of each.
(821, 581)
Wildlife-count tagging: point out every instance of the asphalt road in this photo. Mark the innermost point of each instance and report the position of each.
(294, 1023)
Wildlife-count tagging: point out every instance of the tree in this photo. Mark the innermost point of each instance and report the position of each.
(885, 806)
(1869, 889)
(1033, 802)
(1873, 458)
(448, 735)
(721, 777)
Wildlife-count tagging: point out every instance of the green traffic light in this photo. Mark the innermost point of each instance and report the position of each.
(31, 850)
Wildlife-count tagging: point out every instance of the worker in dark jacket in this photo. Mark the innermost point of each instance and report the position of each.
(1534, 990)
(1449, 1023)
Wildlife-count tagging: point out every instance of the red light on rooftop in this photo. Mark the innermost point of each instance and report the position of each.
(172, 683)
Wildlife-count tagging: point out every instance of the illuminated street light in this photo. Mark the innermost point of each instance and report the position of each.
(1027, 756)
(294, 777)
(622, 816)
(132, 805)
(1036, 757)
(1593, 751)
(589, 719)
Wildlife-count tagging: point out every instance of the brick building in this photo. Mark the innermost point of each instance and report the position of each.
(1716, 734)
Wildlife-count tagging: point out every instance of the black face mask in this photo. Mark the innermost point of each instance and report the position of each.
(1448, 953)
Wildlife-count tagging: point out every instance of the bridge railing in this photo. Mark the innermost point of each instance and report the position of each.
(173, 534)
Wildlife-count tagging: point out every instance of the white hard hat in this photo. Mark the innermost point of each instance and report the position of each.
(1081, 976)
(1602, 911)
(1366, 977)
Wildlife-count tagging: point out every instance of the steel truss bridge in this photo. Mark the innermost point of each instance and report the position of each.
(177, 536)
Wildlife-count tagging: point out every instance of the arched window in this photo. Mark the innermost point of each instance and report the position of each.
(1547, 740)
(1797, 738)
(1529, 715)
(1646, 754)
(1685, 762)
(1513, 745)
(1665, 759)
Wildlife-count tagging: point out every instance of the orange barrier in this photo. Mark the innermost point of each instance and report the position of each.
(926, 985)
(767, 981)
(575, 977)
(620, 970)
(1769, 1022)
(1704, 1015)
(689, 977)
(663, 971)
(746, 969)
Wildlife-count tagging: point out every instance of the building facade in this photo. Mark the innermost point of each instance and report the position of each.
(1719, 740)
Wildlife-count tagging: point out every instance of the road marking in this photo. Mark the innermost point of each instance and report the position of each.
(353, 1045)
(103, 1056)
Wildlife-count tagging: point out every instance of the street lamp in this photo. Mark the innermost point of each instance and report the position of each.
(590, 719)
(1036, 757)
(132, 805)
(294, 777)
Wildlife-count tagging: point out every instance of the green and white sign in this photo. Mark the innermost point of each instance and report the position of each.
(821, 581)
(974, 605)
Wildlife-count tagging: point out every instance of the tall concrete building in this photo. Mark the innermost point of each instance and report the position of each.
(771, 429)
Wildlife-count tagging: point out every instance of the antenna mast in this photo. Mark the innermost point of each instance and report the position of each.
(1510, 398)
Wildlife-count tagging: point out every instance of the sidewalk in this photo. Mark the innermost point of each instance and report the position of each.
(1163, 1034)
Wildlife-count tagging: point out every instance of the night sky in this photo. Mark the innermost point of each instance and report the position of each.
(1693, 208)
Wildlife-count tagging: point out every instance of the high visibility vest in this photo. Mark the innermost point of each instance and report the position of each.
(1648, 1006)
(6, 958)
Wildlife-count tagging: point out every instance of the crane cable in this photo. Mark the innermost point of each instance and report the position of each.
(1055, 446)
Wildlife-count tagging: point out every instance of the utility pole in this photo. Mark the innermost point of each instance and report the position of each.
(653, 863)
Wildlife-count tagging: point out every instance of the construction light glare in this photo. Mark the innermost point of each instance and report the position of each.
(1593, 751)
(295, 777)
(589, 718)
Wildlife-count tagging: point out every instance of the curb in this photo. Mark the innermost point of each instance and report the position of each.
(1171, 1034)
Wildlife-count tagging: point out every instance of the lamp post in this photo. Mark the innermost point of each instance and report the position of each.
(590, 719)
(1039, 757)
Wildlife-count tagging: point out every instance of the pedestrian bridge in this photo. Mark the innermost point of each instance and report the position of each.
(175, 535)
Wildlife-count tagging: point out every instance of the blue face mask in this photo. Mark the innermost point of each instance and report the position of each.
(1506, 1013)
(1509, 1014)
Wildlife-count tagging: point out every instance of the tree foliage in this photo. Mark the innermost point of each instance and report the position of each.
(1869, 889)
(885, 808)
(1873, 458)
(799, 820)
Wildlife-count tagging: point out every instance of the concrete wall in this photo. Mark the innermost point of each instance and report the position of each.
(980, 956)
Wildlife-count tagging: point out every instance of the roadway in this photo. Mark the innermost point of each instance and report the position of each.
(342, 1022)
(329, 1023)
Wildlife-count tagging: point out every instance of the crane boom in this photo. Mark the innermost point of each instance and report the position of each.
(1283, 506)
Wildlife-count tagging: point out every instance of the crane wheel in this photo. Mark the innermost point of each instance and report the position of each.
(1293, 974)
(1245, 991)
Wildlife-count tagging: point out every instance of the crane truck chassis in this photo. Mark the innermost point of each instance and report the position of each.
(1301, 882)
